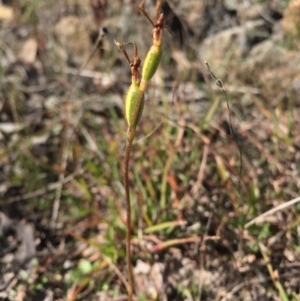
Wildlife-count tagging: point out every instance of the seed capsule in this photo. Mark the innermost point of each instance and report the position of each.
(131, 100)
(151, 62)
(155, 52)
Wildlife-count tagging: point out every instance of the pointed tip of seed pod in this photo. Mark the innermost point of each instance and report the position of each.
(117, 43)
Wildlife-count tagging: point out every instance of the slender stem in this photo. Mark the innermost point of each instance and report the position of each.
(128, 213)
(129, 140)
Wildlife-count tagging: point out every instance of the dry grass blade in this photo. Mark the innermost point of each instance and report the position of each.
(283, 206)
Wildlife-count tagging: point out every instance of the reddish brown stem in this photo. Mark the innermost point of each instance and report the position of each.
(128, 214)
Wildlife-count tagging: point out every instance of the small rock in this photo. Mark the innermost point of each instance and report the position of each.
(195, 14)
(291, 18)
(6, 13)
(74, 40)
(28, 53)
(296, 84)
(142, 267)
(249, 12)
(234, 41)
(231, 4)
(267, 54)
(271, 66)
(278, 6)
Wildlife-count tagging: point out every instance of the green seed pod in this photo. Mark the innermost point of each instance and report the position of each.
(151, 62)
(131, 102)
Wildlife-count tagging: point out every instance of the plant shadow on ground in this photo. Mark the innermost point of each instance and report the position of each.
(190, 202)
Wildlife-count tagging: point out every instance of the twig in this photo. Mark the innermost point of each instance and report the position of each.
(272, 211)
(51, 186)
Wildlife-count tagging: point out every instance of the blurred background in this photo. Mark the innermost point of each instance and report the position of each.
(194, 182)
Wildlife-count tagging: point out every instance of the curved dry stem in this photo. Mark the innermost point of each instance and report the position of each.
(142, 9)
